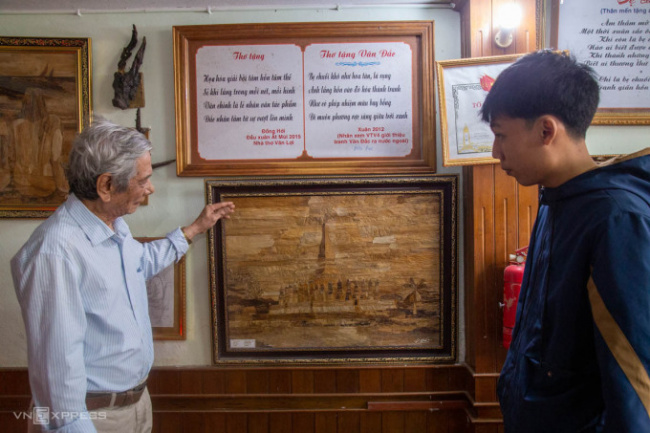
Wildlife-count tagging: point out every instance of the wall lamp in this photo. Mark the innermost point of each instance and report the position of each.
(507, 19)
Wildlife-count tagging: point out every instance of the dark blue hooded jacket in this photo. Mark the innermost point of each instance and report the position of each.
(580, 354)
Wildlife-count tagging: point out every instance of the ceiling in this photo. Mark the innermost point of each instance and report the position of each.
(74, 6)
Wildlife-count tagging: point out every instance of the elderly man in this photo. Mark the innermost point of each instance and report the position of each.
(80, 280)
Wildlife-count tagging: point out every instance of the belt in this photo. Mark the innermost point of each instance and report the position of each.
(97, 400)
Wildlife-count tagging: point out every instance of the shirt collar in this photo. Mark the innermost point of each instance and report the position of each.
(94, 228)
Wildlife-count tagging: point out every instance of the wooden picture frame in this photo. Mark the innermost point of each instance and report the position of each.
(45, 100)
(167, 305)
(304, 98)
(597, 38)
(332, 270)
(463, 85)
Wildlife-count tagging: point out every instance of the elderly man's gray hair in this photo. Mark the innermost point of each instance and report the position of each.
(104, 147)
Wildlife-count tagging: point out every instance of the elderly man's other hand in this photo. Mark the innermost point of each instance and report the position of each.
(208, 218)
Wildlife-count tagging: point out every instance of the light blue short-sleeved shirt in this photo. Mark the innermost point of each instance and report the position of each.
(82, 292)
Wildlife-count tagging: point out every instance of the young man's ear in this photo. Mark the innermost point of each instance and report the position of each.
(549, 128)
(104, 186)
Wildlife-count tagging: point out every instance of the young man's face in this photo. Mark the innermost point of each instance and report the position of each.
(518, 146)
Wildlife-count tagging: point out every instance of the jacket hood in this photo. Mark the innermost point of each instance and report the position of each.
(628, 172)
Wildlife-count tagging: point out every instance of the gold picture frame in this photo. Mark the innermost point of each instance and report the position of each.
(45, 100)
(304, 98)
(331, 270)
(463, 85)
(167, 304)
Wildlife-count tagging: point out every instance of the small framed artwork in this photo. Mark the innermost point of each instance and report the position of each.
(333, 270)
(612, 38)
(166, 294)
(44, 102)
(462, 87)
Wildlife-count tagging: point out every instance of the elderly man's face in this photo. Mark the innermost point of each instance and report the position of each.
(139, 188)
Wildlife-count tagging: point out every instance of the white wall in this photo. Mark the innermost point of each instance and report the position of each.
(176, 200)
(168, 207)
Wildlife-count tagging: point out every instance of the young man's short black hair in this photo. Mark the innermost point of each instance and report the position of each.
(545, 82)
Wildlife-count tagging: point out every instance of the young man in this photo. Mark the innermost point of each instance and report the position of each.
(580, 354)
(80, 281)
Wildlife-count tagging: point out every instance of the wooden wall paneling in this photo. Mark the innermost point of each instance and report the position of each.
(437, 423)
(235, 381)
(506, 221)
(370, 422)
(257, 382)
(526, 35)
(168, 422)
(465, 31)
(10, 423)
(190, 381)
(258, 423)
(528, 204)
(370, 380)
(168, 383)
(480, 13)
(470, 263)
(349, 422)
(415, 421)
(392, 380)
(280, 381)
(486, 429)
(192, 422)
(302, 381)
(392, 422)
(213, 381)
(479, 263)
(280, 422)
(325, 381)
(326, 422)
(214, 422)
(495, 50)
(498, 217)
(303, 422)
(415, 380)
(347, 381)
(412, 399)
(458, 423)
(235, 423)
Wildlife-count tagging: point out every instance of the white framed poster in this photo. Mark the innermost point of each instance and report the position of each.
(463, 85)
(613, 37)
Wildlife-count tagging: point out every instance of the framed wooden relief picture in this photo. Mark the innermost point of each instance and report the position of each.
(463, 85)
(44, 102)
(327, 270)
(166, 295)
(304, 98)
(611, 36)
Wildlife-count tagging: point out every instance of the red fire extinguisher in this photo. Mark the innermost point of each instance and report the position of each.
(512, 278)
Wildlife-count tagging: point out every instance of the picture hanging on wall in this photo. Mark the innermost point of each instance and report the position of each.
(611, 36)
(304, 98)
(166, 295)
(463, 85)
(332, 270)
(45, 101)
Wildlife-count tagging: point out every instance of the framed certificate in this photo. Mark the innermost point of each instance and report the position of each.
(462, 87)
